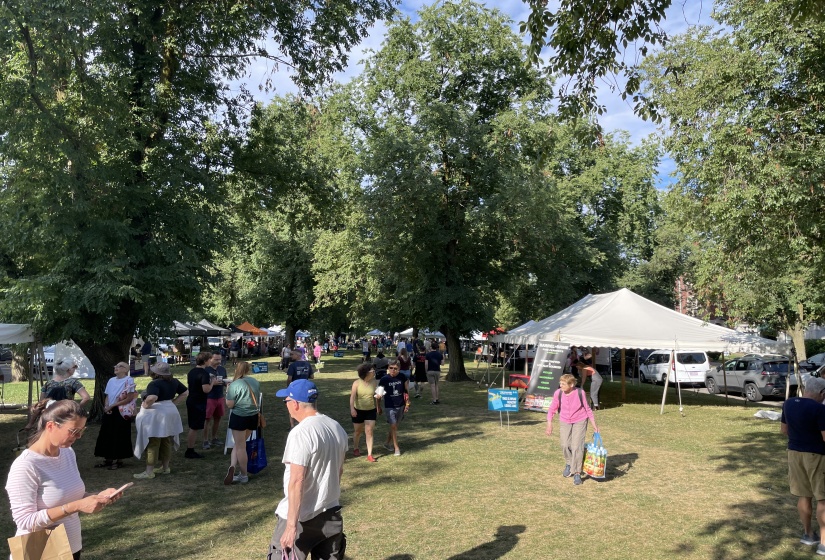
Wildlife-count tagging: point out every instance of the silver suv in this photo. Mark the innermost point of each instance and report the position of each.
(752, 375)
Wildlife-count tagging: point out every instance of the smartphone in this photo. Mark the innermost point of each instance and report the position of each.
(122, 488)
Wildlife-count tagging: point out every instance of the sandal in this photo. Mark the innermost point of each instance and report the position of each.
(116, 466)
(104, 465)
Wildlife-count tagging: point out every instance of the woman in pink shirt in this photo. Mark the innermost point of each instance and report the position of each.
(571, 404)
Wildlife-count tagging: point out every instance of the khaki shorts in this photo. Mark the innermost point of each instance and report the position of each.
(433, 376)
(806, 474)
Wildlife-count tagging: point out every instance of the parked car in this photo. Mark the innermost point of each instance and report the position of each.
(813, 363)
(5, 354)
(755, 376)
(690, 367)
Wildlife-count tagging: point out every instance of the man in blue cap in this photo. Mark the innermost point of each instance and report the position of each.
(309, 516)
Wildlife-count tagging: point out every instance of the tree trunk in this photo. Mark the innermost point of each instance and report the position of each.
(103, 358)
(798, 337)
(456, 371)
(289, 335)
(19, 363)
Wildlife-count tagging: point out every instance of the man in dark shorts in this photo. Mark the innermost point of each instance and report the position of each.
(803, 421)
(200, 383)
(215, 404)
(396, 402)
(434, 360)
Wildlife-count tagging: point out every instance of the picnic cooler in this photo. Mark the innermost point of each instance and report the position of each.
(595, 460)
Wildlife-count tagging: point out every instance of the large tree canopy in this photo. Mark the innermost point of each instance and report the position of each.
(111, 171)
(587, 46)
(748, 137)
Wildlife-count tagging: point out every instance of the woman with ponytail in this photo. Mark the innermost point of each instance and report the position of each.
(44, 485)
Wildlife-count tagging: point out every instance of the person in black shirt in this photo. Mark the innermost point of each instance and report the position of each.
(200, 383)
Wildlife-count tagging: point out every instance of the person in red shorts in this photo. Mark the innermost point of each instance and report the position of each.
(215, 402)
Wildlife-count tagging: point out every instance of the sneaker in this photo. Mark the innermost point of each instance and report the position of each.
(433, 402)
(397, 453)
(144, 474)
(566, 472)
(389, 447)
(436, 401)
(577, 479)
(820, 550)
(240, 479)
(809, 539)
(418, 395)
(192, 454)
(206, 445)
(167, 470)
(371, 459)
(356, 452)
(230, 475)
(216, 442)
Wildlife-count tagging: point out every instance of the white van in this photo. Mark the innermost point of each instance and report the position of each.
(691, 366)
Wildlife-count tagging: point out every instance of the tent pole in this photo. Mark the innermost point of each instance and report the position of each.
(624, 396)
(787, 381)
(667, 380)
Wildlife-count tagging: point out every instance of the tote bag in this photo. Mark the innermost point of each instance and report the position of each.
(46, 544)
(256, 452)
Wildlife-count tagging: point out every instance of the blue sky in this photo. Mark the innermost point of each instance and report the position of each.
(619, 115)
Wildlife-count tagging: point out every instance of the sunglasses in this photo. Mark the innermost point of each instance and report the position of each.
(75, 432)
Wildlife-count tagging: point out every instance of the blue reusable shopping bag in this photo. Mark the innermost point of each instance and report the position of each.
(256, 452)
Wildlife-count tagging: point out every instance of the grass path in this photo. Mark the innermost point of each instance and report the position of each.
(711, 484)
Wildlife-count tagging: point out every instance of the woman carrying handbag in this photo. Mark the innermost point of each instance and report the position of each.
(242, 400)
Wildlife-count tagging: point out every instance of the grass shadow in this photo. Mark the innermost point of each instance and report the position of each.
(505, 540)
(754, 528)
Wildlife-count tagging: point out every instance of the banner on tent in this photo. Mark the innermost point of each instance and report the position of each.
(544, 379)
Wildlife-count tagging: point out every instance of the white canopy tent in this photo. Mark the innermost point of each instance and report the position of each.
(210, 326)
(421, 334)
(624, 319)
(375, 332)
(23, 334)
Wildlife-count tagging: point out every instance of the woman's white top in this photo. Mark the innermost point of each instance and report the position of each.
(36, 483)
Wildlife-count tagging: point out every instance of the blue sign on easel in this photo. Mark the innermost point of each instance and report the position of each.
(502, 400)
(338, 354)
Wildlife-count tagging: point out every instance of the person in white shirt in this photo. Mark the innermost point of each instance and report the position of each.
(309, 516)
(44, 485)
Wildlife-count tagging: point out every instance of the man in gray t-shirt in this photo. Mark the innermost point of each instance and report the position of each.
(309, 516)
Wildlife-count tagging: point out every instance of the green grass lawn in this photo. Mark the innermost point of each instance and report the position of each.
(710, 484)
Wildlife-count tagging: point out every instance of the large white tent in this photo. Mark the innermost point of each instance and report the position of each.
(624, 319)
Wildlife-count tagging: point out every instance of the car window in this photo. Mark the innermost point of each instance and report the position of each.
(775, 367)
(729, 366)
(690, 358)
(741, 365)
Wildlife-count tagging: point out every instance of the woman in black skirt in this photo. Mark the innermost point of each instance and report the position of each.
(114, 442)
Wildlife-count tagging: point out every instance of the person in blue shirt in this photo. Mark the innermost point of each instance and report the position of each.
(299, 368)
(803, 421)
(434, 360)
(146, 356)
(396, 389)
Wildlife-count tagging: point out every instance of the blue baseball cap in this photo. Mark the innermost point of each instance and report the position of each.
(301, 390)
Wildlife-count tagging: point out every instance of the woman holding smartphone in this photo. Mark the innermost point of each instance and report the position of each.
(44, 485)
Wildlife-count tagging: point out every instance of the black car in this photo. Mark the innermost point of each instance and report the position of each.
(5, 354)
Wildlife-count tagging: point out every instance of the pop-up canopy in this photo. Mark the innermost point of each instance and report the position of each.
(624, 319)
